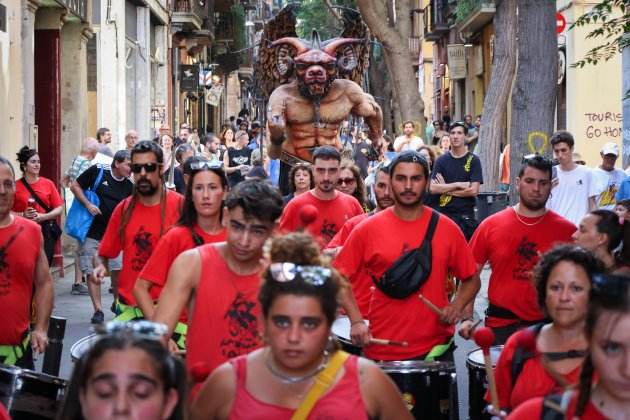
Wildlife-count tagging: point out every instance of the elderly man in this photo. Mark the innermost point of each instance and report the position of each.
(131, 138)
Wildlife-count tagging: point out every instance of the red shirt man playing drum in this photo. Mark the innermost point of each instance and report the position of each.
(524, 231)
(334, 208)
(24, 276)
(219, 282)
(374, 245)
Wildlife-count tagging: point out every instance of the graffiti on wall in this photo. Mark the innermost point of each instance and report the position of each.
(605, 125)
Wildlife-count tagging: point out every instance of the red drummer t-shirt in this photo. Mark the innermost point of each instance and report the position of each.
(513, 249)
(533, 381)
(177, 240)
(20, 245)
(45, 190)
(331, 214)
(372, 248)
(532, 409)
(140, 237)
(362, 290)
(224, 321)
(340, 238)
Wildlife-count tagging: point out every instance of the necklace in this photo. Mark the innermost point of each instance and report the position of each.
(287, 379)
(540, 219)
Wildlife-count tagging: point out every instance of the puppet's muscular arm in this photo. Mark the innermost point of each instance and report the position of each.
(365, 106)
(276, 122)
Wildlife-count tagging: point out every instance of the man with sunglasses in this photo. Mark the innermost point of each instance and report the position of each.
(136, 225)
(456, 178)
(511, 241)
(113, 187)
(376, 244)
(334, 208)
(24, 280)
(220, 281)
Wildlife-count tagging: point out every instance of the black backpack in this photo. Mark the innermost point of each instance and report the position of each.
(521, 355)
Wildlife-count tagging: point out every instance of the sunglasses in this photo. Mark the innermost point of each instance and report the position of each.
(136, 168)
(204, 164)
(314, 275)
(346, 181)
(610, 285)
(142, 329)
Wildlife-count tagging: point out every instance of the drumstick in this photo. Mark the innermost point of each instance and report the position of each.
(430, 305)
(386, 342)
(484, 337)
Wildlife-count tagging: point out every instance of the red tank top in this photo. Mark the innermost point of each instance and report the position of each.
(224, 322)
(342, 402)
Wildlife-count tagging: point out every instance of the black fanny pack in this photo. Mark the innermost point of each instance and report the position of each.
(409, 272)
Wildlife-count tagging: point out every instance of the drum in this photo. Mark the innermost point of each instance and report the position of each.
(478, 383)
(429, 389)
(341, 331)
(30, 395)
(79, 348)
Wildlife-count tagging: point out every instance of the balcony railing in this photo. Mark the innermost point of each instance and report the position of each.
(435, 20)
(473, 15)
(188, 15)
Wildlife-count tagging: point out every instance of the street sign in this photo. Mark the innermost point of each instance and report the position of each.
(561, 23)
(189, 77)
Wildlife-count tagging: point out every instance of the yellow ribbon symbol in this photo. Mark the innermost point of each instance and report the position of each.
(537, 135)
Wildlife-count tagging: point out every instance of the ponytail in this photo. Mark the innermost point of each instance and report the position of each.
(584, 390)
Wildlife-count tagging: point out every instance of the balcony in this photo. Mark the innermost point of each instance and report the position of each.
(188, 15)
(474, 15)
(435, 20)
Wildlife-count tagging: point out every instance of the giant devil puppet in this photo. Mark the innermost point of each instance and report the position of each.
(313, 85)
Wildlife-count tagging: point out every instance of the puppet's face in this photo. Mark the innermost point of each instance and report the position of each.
(315, 71)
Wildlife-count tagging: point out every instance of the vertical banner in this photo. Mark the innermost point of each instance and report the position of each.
(456, 61)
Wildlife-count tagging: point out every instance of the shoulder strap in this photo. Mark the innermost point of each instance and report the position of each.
(99, 177)
(323, 381)
(555, 406)
(521, 355)
(432, 224)
(35, 196)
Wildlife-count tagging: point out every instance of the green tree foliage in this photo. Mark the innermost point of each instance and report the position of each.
(314, 14)
(613, 28)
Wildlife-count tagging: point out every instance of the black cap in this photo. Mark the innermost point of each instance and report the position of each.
(409, 156)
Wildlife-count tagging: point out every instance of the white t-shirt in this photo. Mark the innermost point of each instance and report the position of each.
(414, 144)
(607, 184)
(570, 197)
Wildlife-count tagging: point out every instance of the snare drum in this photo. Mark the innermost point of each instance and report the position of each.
(30, 395)
(429, 389)
(341, 331)
(478, 383)
(79, 348)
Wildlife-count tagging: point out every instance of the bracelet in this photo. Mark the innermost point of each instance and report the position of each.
(357, 322)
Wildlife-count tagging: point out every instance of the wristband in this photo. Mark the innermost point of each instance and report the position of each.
(357, 322)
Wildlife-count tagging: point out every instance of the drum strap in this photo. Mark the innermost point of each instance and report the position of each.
(438, 351)
(323, 381)
(12, 354)
(127, 313)
(179, 335)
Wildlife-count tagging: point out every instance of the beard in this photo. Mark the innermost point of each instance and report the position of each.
(305, 90)
(533, 205)
(398, 200)
(146, 188)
